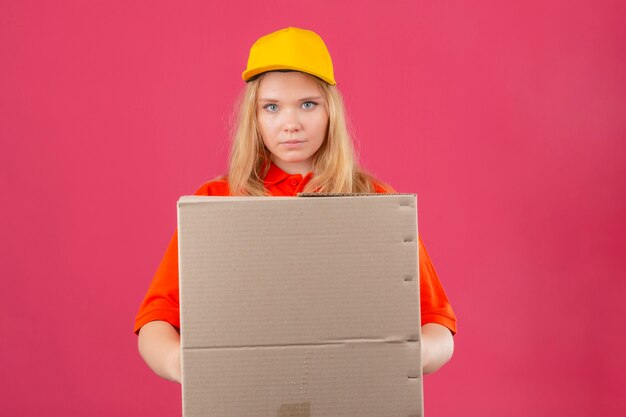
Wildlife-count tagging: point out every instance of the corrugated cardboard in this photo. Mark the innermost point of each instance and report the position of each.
(300, 306)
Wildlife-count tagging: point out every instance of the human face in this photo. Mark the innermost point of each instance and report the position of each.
(293, 117)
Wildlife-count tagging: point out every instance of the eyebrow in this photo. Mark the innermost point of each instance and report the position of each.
(270, 99)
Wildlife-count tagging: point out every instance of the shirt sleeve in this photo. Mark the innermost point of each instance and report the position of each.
(434, 304)
(162, 299)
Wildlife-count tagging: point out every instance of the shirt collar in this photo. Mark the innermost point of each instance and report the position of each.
(275, 175)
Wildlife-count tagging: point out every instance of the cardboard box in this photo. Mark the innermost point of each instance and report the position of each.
(303, 306)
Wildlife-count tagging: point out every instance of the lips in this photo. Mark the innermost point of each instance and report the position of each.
(292, 144)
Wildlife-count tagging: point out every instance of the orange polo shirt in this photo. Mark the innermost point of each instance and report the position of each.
(161, 301)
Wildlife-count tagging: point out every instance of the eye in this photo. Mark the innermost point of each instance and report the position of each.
(308, 105)
(271, 107)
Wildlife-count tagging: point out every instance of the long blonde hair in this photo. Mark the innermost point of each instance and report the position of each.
(335, 166)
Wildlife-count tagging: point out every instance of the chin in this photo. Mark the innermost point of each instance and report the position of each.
(295, 159)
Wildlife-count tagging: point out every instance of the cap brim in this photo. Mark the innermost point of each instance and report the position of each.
(248, 74)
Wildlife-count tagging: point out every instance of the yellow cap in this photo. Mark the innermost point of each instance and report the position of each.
(290, 49)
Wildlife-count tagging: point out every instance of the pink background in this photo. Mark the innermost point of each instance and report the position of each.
(509, 120)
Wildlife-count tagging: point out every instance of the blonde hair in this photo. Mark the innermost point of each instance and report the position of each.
(335, 166)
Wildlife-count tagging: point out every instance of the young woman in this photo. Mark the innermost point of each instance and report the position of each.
(291, 137)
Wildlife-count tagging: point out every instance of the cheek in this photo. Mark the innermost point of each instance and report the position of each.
(265, 126)
(269, 122)
(321, 125)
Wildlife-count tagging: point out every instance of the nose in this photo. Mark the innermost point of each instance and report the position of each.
(291, 122)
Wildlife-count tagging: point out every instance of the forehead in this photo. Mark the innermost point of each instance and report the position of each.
(286, 85)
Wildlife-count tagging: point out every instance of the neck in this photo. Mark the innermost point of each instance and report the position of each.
(293, 168)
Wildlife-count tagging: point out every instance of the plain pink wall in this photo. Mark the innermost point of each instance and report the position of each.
(508, 120)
